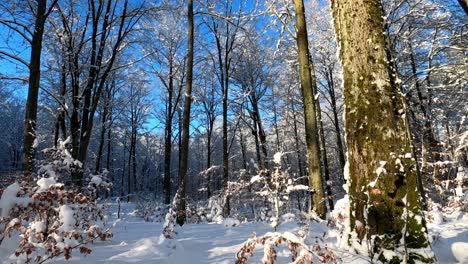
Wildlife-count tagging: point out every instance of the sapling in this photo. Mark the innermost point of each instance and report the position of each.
(276, 187)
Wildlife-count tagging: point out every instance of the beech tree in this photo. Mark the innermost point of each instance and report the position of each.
(104, 31)
(168, 63)
(184, 147)
(33, 36)
(225, 33)
(310, 119)
(385, 205)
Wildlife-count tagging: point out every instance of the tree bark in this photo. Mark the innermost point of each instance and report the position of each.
(336, 121)
(299, 169)
(385, 206)
(29, 136)
(208, 156)
(103, 132)
(184, 148)
(464, 5)
(326, 170)
(134, 162)
(313, 150)
(122, 180)
(168, 138)
(260, 132)
(60, 123)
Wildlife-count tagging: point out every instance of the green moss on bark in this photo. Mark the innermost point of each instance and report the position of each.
(382, 174)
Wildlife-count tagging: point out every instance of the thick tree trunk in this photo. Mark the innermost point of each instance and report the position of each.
(184, 148)
(464, 5)
(313, 150)
(385, 206)
(29, 136)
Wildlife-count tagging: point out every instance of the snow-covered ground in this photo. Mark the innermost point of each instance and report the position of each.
(136, 241)
(449, 234)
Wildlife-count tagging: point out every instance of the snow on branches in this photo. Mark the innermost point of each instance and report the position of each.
(276, 187)
(47, 218)
(300, 252)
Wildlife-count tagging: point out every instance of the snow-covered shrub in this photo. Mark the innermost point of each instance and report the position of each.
(50, 220)
(215, 207)
(196, 214)
(300, 252)
(47, 217)
(340, 214)
(99, 184)
(149, 209)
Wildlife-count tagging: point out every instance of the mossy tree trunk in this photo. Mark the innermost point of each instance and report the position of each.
(313, 155)
(385, 205)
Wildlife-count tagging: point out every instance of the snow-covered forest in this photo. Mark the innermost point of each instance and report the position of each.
(234, 131)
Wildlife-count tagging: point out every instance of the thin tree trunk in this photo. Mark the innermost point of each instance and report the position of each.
(60, 124)
(109, 137)
(181, 216)
(134, 162)
(427, 135)
(297, 143)
(227, 207)
(101, 138)
(168, 138)
(260, 132)
(382, 184)
(129, 169)
(326, 170)
(299, 169)
(257, 146)
(275, 121)
(243, 151)
(313, 150)
(122, 180)
(336, 121)
(208, 157)
(97, 74)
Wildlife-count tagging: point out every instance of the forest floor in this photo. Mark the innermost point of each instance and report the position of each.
(137, 241)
